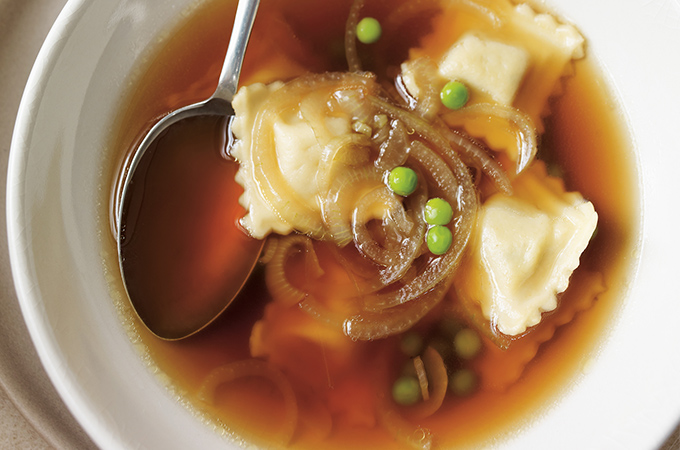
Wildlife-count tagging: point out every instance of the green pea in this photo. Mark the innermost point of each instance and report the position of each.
(402, 180)
(438, 211)
(463, 382)
(406, 390)
(467, 343)
(439, 239)
(411, 344)
(368, 30)
(454, 95)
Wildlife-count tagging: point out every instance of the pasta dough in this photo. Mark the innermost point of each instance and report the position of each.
(524, 250)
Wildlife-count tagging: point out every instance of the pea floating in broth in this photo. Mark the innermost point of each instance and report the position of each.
(348, 300)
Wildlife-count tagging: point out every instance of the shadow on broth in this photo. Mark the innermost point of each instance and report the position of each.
(446, 196)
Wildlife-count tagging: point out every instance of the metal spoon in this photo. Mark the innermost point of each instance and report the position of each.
(219, 104)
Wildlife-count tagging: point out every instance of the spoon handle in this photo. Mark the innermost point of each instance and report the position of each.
(231, 70)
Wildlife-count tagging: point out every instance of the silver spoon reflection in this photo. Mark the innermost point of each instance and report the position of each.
(196, 306)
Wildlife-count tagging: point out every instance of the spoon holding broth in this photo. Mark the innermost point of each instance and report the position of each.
(181, 253)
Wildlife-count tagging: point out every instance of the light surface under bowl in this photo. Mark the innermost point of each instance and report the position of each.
(630, 397)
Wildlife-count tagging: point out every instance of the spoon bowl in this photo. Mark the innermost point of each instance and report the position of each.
(168, 313)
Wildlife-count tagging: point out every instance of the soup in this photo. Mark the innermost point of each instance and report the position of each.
(312, 354)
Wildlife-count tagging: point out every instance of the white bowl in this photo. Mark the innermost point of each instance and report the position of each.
(630, 397)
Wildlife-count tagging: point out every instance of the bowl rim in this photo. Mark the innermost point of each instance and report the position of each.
(36, 322)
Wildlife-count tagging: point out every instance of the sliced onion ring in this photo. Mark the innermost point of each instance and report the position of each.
(255, 368)
(277, 282)
(438, 382)
(526, 132)
(376, 325)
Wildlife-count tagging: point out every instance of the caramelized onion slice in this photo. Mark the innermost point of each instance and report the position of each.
(351, 54)
(394, 151)
(342, 151)
(260, 369)
(279, 285)
(426, 77)
(437, 384)
(315, 308)
(370, 325)
(476, 155)
(352, 102)
(458, 191)
(395, 218)
(268, 250)
(472, 152)
(336, 206)
(526, 131)
(403, 245)
(422, 378)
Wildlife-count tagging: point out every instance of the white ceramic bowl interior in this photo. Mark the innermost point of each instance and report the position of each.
(630, 397)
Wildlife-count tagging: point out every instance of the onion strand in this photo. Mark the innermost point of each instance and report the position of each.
(260, 369)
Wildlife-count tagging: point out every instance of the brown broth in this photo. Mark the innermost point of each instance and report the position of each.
(584, 136)
(178, 257)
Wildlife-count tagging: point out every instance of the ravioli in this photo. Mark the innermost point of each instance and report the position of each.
(524, 250)
(524, 55)
(299, 143)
